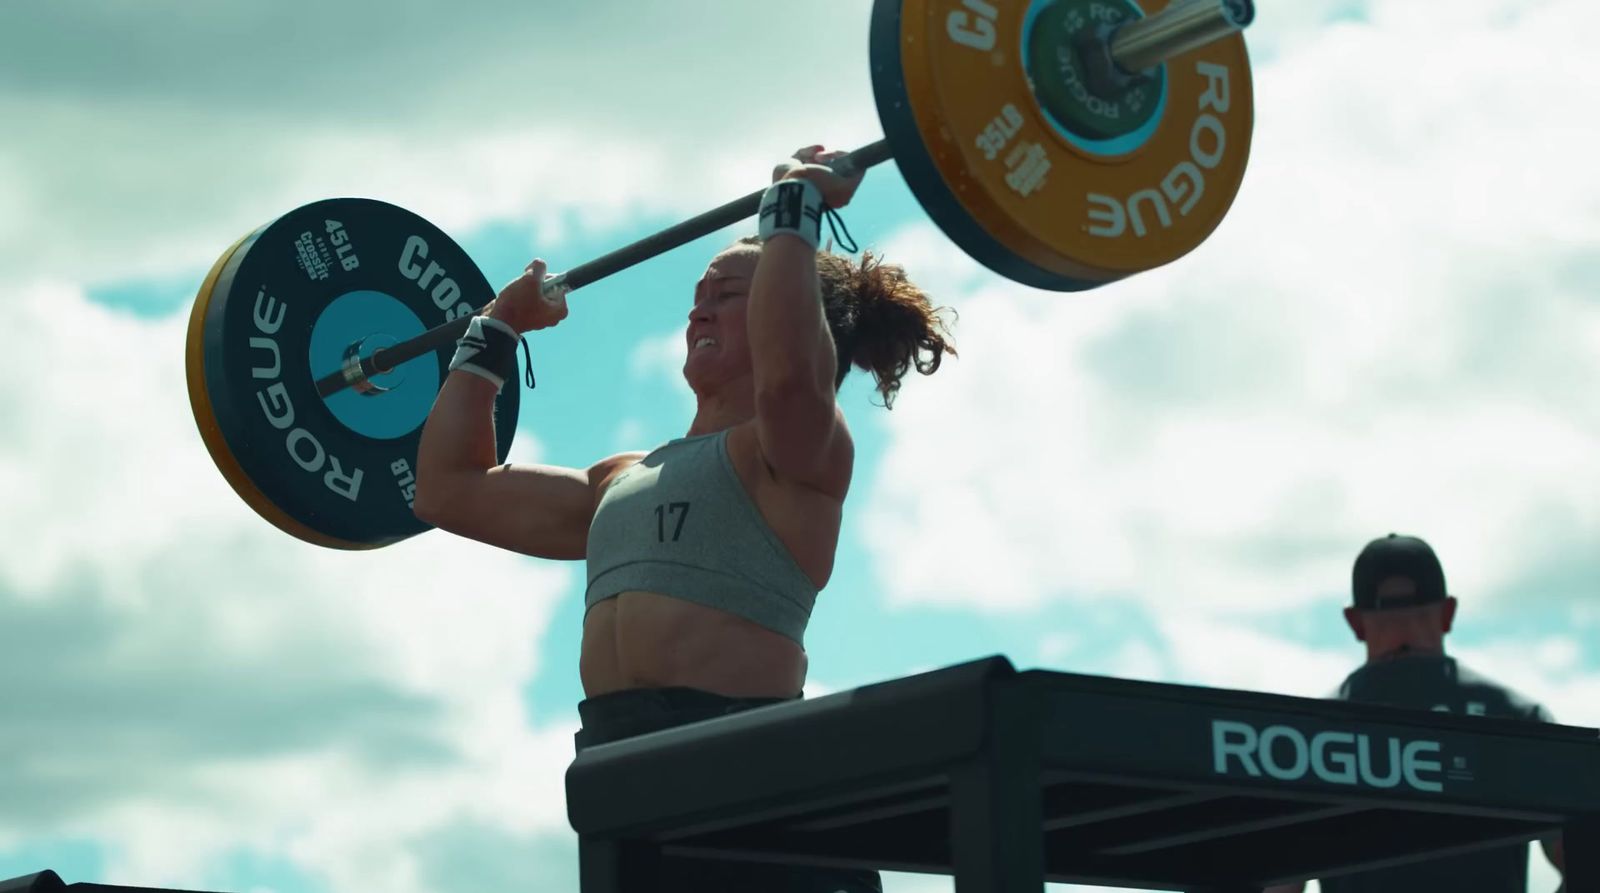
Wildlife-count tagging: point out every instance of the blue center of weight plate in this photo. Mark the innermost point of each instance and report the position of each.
(383, 321)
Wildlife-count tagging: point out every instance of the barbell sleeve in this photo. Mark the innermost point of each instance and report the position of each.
(1142, 44)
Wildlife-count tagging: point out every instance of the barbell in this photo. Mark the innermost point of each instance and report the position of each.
(1063, 144)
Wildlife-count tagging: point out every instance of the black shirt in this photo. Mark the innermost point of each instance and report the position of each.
(1439, 682)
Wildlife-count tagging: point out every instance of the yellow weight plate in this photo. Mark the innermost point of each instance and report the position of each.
(977, 100)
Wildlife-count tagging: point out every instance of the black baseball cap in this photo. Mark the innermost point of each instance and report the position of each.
(1397, 556)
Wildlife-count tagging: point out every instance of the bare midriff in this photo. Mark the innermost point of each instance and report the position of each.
(647, 640)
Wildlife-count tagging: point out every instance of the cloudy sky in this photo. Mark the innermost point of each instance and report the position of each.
(1396, 328)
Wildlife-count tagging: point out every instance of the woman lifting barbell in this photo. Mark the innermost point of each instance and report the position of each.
(705, 555)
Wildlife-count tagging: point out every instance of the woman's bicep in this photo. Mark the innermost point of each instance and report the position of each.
(538, 510)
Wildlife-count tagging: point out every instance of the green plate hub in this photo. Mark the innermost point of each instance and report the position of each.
(1060, 83)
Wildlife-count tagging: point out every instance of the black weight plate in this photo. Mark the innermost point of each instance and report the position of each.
(277, 312)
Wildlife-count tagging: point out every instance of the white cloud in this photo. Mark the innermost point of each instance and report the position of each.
(658, 355)
(630, 433)
(1554, 670)
(274, 696)
(133, 165)
(814, 689)
(1219, 654)
(1055, 646)
(658, 359)
(1394, 329)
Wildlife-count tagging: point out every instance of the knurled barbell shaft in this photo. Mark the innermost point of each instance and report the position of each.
(388, 358)
(1185, 25)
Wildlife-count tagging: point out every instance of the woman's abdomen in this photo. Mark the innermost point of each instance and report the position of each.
(646, 640)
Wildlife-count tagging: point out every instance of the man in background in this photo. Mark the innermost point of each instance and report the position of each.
(1402, 611)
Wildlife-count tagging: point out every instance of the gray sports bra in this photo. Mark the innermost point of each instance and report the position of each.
(680, 523)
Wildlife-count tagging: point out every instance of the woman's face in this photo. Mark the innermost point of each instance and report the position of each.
(718, 344)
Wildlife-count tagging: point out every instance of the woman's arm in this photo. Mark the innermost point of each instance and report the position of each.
(798, 423)
(792, 355)
(537, 510)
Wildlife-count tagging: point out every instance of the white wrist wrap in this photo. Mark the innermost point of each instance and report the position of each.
(792, 206)
(487, 350)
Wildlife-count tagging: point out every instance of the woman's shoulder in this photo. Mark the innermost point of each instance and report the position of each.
(836, 463)
(602, 472)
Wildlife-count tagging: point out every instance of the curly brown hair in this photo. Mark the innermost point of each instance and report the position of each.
(881, 322)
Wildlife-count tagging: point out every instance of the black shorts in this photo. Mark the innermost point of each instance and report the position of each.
(623, 714)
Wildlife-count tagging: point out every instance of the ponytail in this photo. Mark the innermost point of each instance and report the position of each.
(881, 322)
